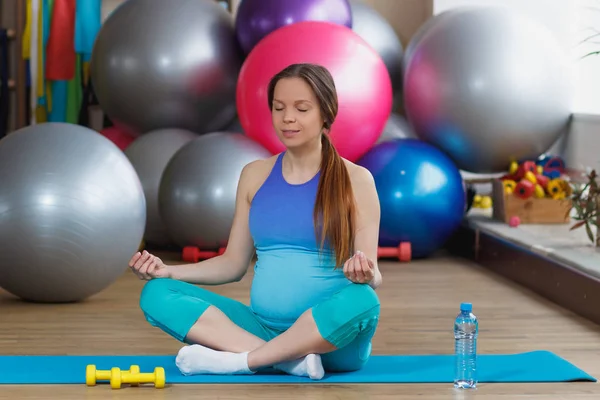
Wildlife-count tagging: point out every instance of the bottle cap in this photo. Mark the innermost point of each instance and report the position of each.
(467, 307)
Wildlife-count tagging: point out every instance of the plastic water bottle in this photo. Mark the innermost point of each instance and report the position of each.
(466, 329)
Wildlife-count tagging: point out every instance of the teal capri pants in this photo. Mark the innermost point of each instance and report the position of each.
(348, 319)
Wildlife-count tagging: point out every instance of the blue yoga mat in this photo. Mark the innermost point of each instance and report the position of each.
(537, 366)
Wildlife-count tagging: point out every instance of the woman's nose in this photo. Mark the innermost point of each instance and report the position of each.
(288, 117)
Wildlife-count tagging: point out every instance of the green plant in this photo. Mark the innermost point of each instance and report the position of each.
(585, 200)
(592, 53)
(590, 10)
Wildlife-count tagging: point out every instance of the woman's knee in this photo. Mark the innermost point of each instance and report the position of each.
(351, 313)
(154, 295)
(173, 306)
(365, 293)
(360, 298)
(165, 299)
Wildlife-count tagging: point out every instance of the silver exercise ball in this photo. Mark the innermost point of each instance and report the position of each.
(162, 64)
(488, 86)
(149, 154)
(199, 185)
(72, 213)
(395, 128)
(379, 34)
(416, 37)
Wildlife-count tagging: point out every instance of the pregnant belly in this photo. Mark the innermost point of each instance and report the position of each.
(281, 292)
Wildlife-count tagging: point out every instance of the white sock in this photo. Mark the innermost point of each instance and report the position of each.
(309, 366)
(197, 359)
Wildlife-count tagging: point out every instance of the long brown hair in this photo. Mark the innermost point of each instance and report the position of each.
(334, 210)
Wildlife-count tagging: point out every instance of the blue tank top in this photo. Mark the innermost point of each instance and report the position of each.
(292, 273)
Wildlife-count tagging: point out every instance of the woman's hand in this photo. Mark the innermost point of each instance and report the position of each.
(359, 269)
(147, 266)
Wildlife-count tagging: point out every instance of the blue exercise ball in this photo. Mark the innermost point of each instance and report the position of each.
(421, 193)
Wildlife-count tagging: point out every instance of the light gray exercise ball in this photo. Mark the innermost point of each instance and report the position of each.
(488, 85)
(424, 28)
(149, 154)
(72, 213)
(199, 185)
(379, 34)
(162, 64)
(395, 128)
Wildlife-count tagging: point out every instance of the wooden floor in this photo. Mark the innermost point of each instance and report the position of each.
(419, 302)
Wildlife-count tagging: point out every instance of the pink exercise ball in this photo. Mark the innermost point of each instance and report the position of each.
(363, 84)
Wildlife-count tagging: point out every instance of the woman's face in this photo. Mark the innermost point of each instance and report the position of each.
(295, 113)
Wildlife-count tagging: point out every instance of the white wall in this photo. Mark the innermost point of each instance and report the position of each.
(579, 147)
(587, 23)
(570, 21)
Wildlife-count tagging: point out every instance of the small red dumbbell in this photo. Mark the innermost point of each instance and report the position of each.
(194, 254)
(403, 252)
(524, 189)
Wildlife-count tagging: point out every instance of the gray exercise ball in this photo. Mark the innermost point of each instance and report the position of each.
(416, 37)
(162, 64)
(379, 34)
(199, 185)
(488, 85)
(72, 213)
(396, 128)
(149, 154)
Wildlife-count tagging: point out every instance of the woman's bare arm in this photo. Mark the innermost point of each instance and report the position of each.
(233, 264)
(368, 216)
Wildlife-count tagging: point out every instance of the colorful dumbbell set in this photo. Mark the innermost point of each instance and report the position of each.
(538, 179)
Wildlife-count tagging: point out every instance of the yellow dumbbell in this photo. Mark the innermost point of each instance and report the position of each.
(539, 191)
(486, 202)
(530, 176)
(93, 375)
(480, 201)
(509, 186)
(118, 378)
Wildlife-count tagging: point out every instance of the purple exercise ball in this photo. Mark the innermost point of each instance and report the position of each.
(255, 19)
